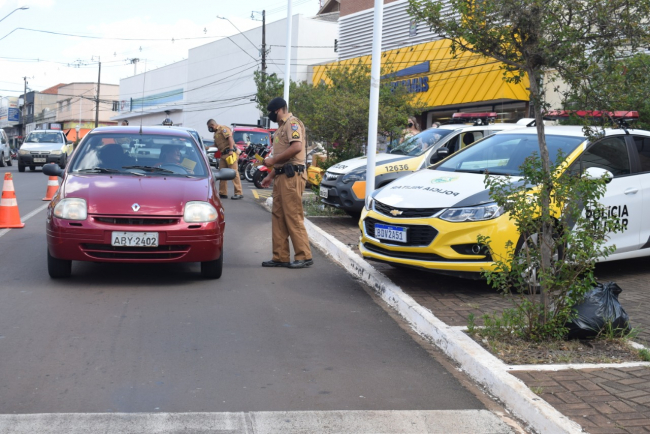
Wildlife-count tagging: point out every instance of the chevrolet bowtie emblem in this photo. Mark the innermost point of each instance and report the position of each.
(396, 212)
(135, 207)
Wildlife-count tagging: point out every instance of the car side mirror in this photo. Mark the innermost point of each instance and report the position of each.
(53, 169)
(224, 174)
(594, 173)
(69, 142)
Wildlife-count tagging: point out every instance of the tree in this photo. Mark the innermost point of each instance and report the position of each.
(336, 111)
(531, 37)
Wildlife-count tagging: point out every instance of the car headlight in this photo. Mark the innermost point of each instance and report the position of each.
(59, 152)
(369, 202)
(472, 214)
(199, 212)
(71, 209)
(354, 176)
(23, 152)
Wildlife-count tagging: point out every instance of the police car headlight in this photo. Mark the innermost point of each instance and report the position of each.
(472, 214)
(369, 203)
(354, 176)
(71, 209)
(199, 212)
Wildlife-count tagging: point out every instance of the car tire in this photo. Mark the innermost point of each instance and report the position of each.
(212, 269)
(9, 162)
(21, 168)
(354, 214)
(32, 168)
(64, 162)
(2, 160)
(58, 268)
(258, 178)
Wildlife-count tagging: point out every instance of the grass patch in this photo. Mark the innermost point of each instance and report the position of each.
(644, 354)
(314, 208)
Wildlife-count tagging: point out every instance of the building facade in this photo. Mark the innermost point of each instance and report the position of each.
(76, 106)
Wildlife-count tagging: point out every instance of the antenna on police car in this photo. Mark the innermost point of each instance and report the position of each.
(144, 78)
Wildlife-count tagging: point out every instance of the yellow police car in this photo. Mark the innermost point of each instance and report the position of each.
(344, 184)
(432, 219)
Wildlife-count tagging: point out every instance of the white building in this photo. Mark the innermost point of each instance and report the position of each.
(216, 80)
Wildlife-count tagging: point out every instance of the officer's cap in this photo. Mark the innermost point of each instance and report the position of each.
(276, 103)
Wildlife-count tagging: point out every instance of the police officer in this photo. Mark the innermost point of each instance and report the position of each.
(290, 175)
(224, 142)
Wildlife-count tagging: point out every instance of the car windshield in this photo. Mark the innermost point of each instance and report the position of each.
(245, 137)
(503, 154)
(140, 154)
(44, 137)
(420, 143)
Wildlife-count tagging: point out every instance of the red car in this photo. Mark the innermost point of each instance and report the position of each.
(136, 195)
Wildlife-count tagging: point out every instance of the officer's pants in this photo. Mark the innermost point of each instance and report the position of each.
(289, 219)
(223, 184)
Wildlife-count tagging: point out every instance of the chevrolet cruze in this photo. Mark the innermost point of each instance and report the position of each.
(137, 195)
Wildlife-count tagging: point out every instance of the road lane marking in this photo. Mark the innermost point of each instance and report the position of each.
(260, 422)
(255, 194)
(26, 217)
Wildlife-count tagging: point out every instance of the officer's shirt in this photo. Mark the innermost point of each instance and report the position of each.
(290, 129)
(221, 136)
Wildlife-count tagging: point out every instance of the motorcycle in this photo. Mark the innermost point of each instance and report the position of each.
(261, 172)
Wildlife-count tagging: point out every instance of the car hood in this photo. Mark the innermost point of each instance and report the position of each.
(436, 189)
(116, 194)
(27, 146)
(349, 165)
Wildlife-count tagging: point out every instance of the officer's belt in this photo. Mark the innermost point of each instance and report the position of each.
(298, 168)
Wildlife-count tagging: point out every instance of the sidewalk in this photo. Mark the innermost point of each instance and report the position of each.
(604, 400)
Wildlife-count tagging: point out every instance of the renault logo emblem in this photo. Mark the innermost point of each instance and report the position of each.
(135, 207)
(396, 212)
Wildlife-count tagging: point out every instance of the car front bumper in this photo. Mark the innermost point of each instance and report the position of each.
(30, 159)
(441, 244)
(90, 240)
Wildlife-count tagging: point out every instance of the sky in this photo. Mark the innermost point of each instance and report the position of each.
(156, 32)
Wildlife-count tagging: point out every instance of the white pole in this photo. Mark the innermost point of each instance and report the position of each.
(375, 72)
(287, 67)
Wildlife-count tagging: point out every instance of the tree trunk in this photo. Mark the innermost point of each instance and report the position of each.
(546, 239)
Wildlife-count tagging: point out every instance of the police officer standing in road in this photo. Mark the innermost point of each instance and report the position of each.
(290, 175)
(224, 142)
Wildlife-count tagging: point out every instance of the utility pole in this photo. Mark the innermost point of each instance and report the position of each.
(99, 79)
(263, 46)
(135, 61)
(24, 106)
(287, 67)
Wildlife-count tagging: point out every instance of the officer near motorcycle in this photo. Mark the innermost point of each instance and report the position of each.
(224, 142)
(290, 175)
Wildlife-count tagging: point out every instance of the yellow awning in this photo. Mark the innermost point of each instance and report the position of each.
(438, 79)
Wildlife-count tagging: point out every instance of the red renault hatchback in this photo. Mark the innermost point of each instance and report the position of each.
(136, 195)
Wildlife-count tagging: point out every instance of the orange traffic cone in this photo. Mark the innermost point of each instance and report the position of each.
(9, 214)
(52, 187)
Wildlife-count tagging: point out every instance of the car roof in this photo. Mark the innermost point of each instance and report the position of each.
(128, 129)
(466, 127)
(572, 130)
(45, 131)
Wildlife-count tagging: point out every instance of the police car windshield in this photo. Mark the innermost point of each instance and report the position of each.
(140, 154)
(419, 143)
(503, 154)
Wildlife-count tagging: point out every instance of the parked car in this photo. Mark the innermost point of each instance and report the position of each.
(5, 150)
(431, 219)
(344, 184)
(136, 195)
(42, 147)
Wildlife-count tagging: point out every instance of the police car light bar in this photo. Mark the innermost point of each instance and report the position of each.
(472, 116)
(619, 115)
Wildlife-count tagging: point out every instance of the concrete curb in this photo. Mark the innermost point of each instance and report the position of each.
(479, 364)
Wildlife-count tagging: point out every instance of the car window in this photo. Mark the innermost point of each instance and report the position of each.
(610, 154)
(504, 154)
(643, 148)
(420, 143)
(250, 137)
(146, 153)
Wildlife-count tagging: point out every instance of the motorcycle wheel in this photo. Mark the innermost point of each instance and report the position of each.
(248, 172)
(258, 177)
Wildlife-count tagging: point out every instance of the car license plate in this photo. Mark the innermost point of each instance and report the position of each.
(324, 191)
(390, 233)
(40, 160)
(134, 239)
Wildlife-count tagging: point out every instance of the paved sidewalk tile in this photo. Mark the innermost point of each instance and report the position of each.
(601, 401)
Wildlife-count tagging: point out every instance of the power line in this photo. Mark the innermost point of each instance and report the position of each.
(51, 32)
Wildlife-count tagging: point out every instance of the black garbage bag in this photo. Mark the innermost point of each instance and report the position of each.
(600, 306)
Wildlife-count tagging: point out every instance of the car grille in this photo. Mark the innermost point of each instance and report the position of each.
(404, 213)
(106, 251)
(331, 177)
(417, 256)
(134, 221)
(417, 235)
(40, 153)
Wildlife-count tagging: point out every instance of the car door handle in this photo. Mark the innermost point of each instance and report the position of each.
(631, 190)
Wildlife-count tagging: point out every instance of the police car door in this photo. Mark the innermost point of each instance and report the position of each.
(623, 197)
(642, 146)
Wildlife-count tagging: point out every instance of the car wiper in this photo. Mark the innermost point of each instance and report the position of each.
(149, 169)
(97, 170)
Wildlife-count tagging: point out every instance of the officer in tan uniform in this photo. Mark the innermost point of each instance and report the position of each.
(290, 175)
(224, 142)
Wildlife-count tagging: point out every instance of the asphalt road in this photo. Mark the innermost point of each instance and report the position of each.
(158, 338)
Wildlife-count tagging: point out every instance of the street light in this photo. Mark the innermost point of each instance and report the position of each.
(17, 9)
(240, 32)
